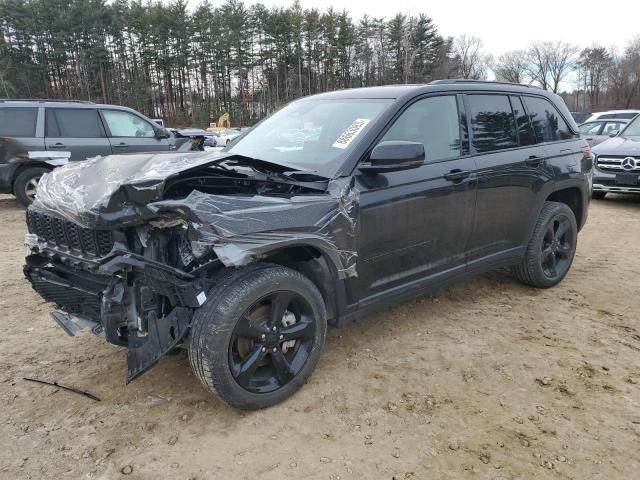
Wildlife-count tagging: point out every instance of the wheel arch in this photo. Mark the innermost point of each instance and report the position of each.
(27, 166)
(319, 267)
(573, 197)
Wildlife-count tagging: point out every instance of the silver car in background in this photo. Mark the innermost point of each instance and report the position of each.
(598, 131)
(617, 162)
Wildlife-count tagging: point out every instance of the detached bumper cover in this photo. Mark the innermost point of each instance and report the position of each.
(103, 301)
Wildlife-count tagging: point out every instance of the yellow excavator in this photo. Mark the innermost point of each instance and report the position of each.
(223, 122)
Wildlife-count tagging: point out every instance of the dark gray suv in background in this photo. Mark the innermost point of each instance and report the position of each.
(68, 130)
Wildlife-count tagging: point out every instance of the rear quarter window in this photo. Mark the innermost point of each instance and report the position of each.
(548, 124)
(18, 121)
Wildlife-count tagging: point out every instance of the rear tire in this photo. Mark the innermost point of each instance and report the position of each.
(597, 195)
(258, 337)
(551, 249)
(25, 184)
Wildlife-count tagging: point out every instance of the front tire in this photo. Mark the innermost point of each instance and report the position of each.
(259, 335)
(551, 249)
(25, 184)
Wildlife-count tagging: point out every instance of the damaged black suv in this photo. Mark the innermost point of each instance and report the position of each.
(336, 205)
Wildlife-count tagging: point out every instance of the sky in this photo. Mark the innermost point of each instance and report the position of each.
(502, 25)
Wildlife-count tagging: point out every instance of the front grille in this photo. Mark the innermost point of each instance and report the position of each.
(69, 235)
(617, 164)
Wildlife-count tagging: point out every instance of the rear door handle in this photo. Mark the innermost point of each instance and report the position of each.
(456, 175)
(534, 160)
(122, 145)
(58, 145)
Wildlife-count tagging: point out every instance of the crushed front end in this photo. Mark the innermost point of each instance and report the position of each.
(133, 284)
(130, 245)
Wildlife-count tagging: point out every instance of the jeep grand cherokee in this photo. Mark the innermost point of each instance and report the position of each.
(336, 205)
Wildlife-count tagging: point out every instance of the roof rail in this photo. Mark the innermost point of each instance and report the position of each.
(45, 100)
(488, 82)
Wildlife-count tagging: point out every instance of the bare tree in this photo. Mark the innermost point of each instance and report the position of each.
(592, 67)
(511, 67)
(549, 63)
(472, 63)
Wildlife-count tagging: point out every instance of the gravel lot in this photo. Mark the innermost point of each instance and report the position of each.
(486, 380)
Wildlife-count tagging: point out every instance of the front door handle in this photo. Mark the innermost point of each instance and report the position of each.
(589, 139)
(58, 145)
(534, 160)
(122, 145)
(457, 175)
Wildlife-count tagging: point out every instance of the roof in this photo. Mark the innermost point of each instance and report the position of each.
(45, 102)
(400, 91)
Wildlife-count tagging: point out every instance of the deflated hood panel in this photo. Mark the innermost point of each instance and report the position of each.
(104, 190)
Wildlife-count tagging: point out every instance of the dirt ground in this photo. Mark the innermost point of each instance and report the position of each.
(486, 380)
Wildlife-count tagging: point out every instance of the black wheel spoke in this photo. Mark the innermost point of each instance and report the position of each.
(564, 251)
(301, 330)
(281, 367)
(553, 262)
(246, 329)
(249, 365)
(563, 228)
(546, 252)
(279, 303)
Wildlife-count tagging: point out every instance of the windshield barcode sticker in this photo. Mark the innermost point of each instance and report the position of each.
(350, 133)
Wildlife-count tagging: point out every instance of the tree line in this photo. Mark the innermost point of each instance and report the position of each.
(189, 65)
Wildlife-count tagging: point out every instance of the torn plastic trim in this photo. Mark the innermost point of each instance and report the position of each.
(242, 229)
(107, 300)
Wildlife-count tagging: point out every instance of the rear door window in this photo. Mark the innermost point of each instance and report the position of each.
(18, 121)
(493, 124)
(525, 133)
(73, 123)
(547, 123)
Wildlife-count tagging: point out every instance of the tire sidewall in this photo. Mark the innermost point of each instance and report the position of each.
(220, 321)
(21, 181)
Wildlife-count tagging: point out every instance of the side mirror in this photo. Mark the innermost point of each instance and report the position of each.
(162, 133)
(393, 156)
(614, 133)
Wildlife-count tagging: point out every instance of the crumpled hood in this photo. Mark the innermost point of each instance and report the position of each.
(103, 189)
(126, 190)
(618, 146)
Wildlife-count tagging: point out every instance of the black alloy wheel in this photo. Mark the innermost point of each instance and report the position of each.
(557, 247)
(272, 342)
(551, 249)
(259, 335)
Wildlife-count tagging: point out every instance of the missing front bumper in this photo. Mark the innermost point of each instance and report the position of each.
(107, 303)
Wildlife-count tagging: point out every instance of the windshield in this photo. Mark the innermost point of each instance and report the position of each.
(633, 129)
(311, 135)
